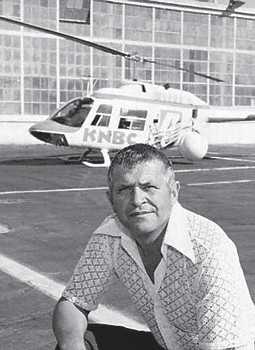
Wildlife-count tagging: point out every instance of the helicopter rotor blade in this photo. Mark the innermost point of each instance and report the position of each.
(183, 69)
(100, 47)
(66, 36)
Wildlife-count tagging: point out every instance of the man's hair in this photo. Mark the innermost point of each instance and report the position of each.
(131, 156)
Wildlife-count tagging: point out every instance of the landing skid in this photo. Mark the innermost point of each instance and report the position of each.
(106, 157)
(82, 158)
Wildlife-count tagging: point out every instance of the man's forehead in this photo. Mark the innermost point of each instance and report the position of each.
(146, 169)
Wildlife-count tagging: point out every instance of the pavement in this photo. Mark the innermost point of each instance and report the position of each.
(49, 208)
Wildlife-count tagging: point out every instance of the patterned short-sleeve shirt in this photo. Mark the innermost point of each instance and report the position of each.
(199, 298)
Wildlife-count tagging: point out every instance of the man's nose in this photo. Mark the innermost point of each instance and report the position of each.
(137, 196)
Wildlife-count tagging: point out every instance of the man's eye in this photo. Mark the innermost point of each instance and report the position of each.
(122, 190)
(149, 187)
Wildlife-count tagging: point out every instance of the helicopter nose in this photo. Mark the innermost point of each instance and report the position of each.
(41, 133)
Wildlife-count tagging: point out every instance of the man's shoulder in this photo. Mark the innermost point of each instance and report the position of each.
(109, 226)
(207, 233)
(198, 221)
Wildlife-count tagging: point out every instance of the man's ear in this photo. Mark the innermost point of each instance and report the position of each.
(174, 188)
(178, 186)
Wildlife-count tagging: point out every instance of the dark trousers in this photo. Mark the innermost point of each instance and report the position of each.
(105, 337)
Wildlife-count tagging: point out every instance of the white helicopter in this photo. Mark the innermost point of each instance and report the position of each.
(137, 112)
(112, 118)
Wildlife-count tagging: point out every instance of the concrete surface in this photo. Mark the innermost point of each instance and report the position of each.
(49, 209)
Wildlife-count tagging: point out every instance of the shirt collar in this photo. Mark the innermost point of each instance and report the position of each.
(111, 226)
(177, 232)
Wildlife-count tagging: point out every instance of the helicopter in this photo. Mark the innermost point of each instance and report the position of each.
(112, 118)
(136, 112)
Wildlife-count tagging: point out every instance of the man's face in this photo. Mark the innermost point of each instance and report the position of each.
(142, 198)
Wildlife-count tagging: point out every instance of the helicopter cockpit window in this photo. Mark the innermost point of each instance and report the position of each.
(74, 113)
(132, 119)
(102, 117)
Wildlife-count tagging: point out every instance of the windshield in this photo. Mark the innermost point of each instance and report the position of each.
(74, 113)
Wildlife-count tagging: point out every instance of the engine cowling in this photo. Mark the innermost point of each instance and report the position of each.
(193, 146)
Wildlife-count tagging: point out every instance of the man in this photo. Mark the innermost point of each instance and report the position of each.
(180, 269)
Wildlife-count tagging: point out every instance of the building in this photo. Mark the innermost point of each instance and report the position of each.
(39, 71)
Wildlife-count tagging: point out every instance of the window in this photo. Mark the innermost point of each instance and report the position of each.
(41, 12)
(138, 23)
(164, 72)
(224, 26)
(195, 61)
(168, 26)
(132, 119)
(133, 112)
(39, 75)
(75, 11)
(10, 8)
(74, 113)
(107, 19)
(105, 67)
(195, 29)
(102, 117)
(136, 70)
(101, 120)
(245, 34)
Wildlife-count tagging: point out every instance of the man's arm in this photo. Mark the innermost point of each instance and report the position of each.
(69, 325)
(226, 314)
(70, 320)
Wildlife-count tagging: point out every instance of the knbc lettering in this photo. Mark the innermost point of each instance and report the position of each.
(109, 136)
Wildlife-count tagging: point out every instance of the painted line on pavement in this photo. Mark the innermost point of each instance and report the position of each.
(54, 289)
(246, 167)
(104, 188)
(24, 274)
(234, 159)
(56, 190)
(219, 182)
(180, 171)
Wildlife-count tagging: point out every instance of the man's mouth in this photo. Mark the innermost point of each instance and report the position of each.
(140, 213)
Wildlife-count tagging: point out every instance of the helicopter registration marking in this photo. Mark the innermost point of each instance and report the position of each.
(115, 137)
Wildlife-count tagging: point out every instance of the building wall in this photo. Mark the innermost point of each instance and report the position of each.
(38, 72)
